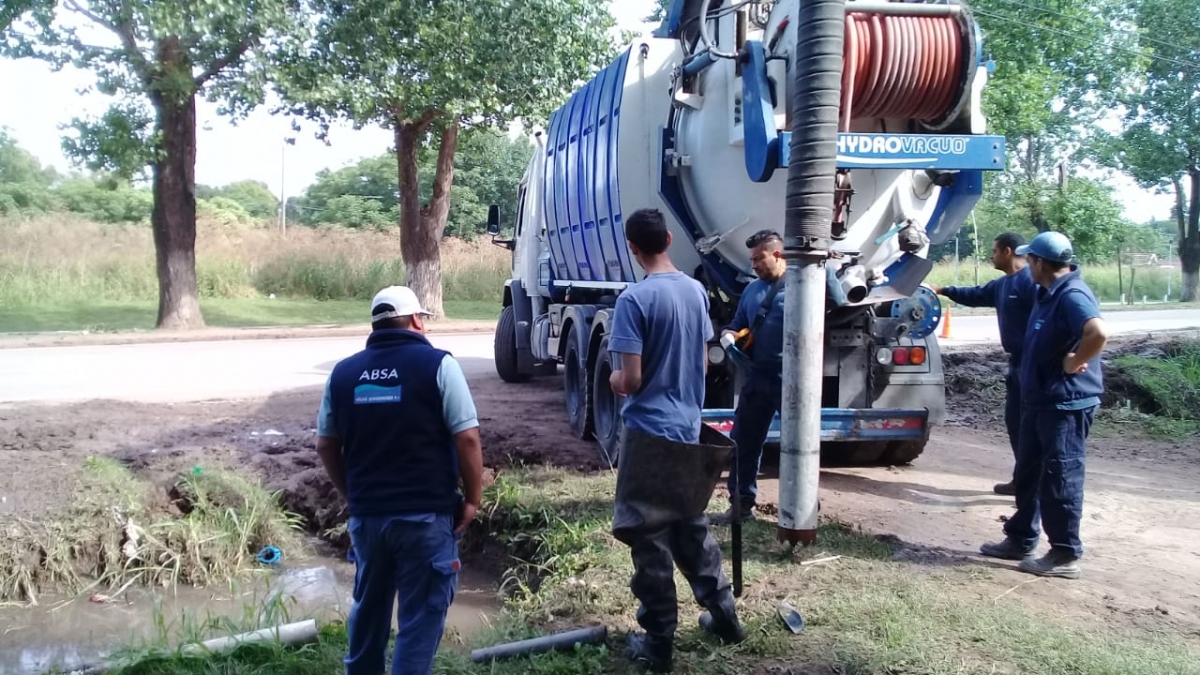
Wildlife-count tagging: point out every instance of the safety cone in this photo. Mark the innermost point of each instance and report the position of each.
(945, 334)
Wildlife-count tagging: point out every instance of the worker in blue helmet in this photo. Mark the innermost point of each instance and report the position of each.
(1013, 296)
(1061, 384)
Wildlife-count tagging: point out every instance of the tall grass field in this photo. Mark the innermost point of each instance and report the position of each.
(56, 270)
(61, 259)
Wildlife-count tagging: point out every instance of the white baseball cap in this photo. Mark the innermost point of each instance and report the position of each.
(396, 301)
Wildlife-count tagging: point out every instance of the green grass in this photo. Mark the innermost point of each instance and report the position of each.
(1165, 391)
(107, 316)
(1104, 280)
(867, 613)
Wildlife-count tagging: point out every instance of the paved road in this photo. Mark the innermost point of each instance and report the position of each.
(194, 371)
(964, 329)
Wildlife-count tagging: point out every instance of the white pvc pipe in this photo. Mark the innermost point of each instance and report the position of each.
(290, 634)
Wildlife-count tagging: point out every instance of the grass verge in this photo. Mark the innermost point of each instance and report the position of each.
(868, 612)
(110, 316)
(1162, 390)
(121, 531)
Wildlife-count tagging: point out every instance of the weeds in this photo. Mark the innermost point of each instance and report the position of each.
(65, 260)
(1167, 389)
(119, 533)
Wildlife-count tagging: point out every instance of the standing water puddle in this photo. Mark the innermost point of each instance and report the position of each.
(64, 633)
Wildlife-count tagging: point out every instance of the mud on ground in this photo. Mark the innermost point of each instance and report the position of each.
(1142, 510)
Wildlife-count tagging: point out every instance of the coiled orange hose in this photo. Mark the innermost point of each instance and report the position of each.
(900, 66)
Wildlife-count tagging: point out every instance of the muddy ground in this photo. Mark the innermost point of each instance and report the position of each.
(1141, 522)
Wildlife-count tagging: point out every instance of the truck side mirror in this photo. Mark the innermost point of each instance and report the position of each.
(493, 221)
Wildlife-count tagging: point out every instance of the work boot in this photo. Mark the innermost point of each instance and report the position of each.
(1009, 549)
(651, 653)
(729, 631)
(727, 517)
(1057, 563)
(1008, 489)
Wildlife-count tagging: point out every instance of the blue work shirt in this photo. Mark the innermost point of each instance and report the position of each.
(766, 352)
(664, 319)
(1055, 329)
(1013, 296)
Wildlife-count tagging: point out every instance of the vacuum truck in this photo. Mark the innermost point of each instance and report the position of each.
(694, 120)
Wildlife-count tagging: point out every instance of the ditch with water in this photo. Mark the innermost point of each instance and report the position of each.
(72, 633)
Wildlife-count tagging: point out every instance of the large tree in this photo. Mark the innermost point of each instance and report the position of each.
(1060, 64)
(1160, 145)
(426, 69)
(159, 57)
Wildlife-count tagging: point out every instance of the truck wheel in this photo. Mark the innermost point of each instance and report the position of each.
(903, 452)
(852, 453)
(577, 387)
(606, 407)
(506, 347)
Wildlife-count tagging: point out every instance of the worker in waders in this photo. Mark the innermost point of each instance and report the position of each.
(396, 429)
(669, 461)
(754, 342)
(1061, 384)
(1012, 295)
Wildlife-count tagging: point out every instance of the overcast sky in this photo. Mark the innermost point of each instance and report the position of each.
(37, 101)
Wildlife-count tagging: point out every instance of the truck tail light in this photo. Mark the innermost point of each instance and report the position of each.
(900, 356)
(916, 356)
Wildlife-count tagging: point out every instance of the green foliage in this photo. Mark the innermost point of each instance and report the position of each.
(1160, 144)
(487, 169)
(1059, 65)
(384, 62)
(1167, 387)
(254, 197)
(106, 205)
(167, 53)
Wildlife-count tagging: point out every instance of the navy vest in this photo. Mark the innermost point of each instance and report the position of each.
(1048, 340)
(399, 454)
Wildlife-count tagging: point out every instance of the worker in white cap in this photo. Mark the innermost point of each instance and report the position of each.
(397, 431)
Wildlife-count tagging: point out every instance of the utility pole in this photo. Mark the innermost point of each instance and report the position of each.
(283, 188)
(808, 220)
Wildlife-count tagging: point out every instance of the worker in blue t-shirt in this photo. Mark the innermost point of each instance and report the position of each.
(1061, 384)
(669, 461)
(396, 432)
(1012, 295)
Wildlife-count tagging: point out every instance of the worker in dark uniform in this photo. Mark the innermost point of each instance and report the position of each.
(1061, 384)
(1012, 295)
(396, 430)
(669, 461)
(760, 314)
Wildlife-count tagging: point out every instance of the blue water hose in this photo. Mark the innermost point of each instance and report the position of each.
(270, 555)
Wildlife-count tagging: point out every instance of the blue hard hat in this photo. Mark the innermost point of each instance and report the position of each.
(1053, 246)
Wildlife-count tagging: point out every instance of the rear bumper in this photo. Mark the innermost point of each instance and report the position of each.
(844, 424)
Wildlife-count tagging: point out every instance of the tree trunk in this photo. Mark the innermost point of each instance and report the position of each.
(173, 219)
(421, 226)
(1189, 242)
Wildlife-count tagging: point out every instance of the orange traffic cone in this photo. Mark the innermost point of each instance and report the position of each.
(945, 334)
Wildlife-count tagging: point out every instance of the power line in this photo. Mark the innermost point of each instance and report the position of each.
(1191, 65)
(1139, 36)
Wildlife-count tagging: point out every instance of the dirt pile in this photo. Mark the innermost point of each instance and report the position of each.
(975, 378)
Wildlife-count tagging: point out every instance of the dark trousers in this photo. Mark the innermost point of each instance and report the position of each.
(418, 560)
(1012, 410)
(1049, 478)
(690, 545)
(756, 408)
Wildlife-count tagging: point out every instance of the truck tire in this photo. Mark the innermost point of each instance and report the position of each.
(506, 347)
(606, 407)
(903, 452)
(577, 389)
(852, 453)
